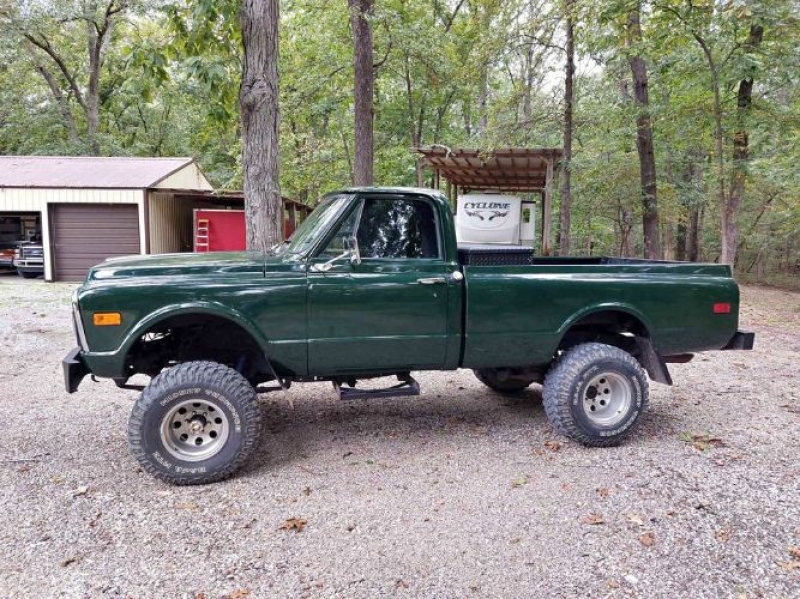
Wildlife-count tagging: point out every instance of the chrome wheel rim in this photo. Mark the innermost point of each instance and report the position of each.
(194, 430)
(607, 399)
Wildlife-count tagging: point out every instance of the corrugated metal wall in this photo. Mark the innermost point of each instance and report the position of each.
(170, 223)
(188, 177)
(34, 200)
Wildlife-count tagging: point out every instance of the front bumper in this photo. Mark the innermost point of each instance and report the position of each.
(74, 370)
(741, 340)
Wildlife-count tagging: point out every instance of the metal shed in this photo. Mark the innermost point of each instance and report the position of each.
(89, 209)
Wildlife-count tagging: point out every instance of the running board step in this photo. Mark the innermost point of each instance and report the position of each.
(406, 387)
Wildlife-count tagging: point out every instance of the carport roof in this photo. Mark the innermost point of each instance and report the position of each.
(67, 172)
(508, 169)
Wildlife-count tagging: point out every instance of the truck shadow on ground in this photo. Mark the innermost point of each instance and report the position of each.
(319, 427)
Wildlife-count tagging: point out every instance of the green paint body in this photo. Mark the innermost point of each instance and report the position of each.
(375, 317)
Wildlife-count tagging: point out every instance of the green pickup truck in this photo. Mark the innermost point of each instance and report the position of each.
(373, 284)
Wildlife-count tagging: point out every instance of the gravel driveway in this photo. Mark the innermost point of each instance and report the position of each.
(458, 493)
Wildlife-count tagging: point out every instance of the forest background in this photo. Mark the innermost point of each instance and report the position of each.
(716, 83)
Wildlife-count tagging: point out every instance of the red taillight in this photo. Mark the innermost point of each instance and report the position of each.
(722, 308)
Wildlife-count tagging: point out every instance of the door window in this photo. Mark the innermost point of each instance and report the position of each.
(397, 228)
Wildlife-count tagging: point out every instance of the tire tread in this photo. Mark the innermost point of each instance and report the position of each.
(200, 373)
(557, 385)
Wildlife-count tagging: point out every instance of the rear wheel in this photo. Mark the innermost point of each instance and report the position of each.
(595, 394)
(195, 423)
(502, 381)
(28, 275)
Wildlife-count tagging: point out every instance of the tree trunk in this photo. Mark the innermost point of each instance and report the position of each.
(644, 142)
(731, 209)
(566, 162)
(95, 40)
(483, 100)
(360, 10)
(258, 100)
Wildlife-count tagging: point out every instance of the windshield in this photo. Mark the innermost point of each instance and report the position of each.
(317, 223)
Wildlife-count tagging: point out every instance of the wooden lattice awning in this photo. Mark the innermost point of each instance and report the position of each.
(510, 169)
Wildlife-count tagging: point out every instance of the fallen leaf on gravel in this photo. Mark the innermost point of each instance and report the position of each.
(701, 442)
(724, 534)
(648, 539)
(307, 491)
(57, 480)
(592, 519)
(23, 469)
(295, 524)
(636, 519)
(602, 492)
(552, 445)
(187, 505)
(789, 566)
(400, 583)
(68, 561)
(613, 584)
(514, 541)
(239, 594)
(78, 492)
(794, 551)
(200, 595)
(520, 481)
(478, 430)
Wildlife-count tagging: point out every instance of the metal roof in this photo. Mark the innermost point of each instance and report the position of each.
(87, 172)
(509, 169)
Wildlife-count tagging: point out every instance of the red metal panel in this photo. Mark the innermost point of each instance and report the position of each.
(226, 231)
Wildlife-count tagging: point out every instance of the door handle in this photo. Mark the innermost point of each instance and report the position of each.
(432, 281)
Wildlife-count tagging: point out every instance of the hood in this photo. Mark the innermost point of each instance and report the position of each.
(127, 267)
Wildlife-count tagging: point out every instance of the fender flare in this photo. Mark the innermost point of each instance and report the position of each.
(648, 356)
(210, 308)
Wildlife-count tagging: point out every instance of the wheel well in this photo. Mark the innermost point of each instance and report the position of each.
(613, 327)
(622, 330)
(197, 336)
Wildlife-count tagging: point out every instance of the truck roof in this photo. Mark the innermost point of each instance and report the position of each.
(398, 190)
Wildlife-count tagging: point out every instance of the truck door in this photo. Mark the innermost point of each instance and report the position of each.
(390, 311)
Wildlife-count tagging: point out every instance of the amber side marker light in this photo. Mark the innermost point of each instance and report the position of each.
(107, 319)
(722, 308)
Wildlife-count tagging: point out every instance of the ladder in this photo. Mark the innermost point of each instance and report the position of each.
(201, 236)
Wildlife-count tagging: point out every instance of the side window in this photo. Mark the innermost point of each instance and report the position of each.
(401, 228)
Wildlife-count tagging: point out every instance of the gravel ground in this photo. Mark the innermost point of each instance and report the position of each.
(458, 493)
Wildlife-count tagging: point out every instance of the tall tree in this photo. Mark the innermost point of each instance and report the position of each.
(644, 137)
(364, 88)
(69, 77)
(741, 156)
(258, 100)
(566, 162)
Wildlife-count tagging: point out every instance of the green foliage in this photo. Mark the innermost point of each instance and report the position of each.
(170, 81)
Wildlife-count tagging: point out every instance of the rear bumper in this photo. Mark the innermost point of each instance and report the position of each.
(741, 340)
(74, 370)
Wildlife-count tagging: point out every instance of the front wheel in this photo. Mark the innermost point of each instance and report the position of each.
(195, 423)
(595, 394)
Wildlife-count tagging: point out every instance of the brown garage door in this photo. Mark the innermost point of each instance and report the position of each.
(86, 234)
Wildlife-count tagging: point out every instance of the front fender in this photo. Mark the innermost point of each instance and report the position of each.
(111, 364)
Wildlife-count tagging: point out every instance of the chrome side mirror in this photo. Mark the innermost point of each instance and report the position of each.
(351, 245)
(350, 253)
